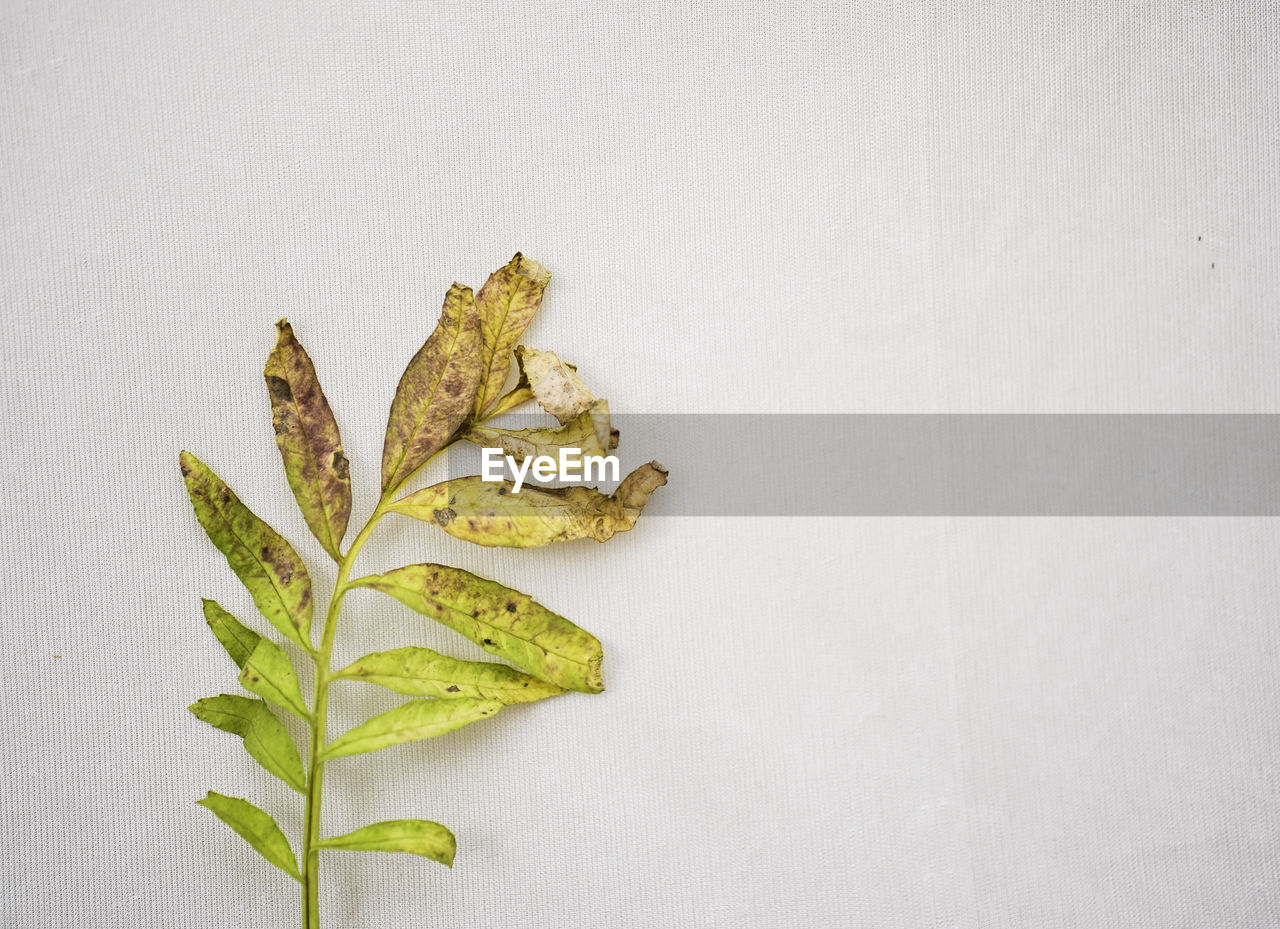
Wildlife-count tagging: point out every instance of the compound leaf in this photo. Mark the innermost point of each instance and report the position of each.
(436, 391)
(506, 304)
(491, 513)
(266, 564)
(269, 674)
(264, 737)
(421, 672)
(255, 827)
(502, 621)
(307, 435)
(410, 722)
(236, 638)
(415, 836)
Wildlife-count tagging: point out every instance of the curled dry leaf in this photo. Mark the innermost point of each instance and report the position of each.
(502, 621)
(489, 513)
(266, 564)
(308, 439)
(435, 392)
(590, 432)
(506, 304)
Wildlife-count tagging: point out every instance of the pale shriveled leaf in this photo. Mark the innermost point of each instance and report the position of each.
(502, 621)
(489, 513)
(266, 564)
(236, 638)
(555, 385)
(307, 435)
(420, 672)
(436, 391)
(506, 304)
(264, 737)
(255, 827)
(588, 432)
(269, 674)
(410, 722)
(415, 836)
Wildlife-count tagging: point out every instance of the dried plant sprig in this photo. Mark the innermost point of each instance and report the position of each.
(450, 390)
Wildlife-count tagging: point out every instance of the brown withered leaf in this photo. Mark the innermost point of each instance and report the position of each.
(307, 435)
(489, 513)
(436, 391)
(506, 304)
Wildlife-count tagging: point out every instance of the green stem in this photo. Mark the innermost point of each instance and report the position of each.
(319, 718)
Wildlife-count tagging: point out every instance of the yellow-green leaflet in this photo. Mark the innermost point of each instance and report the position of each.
(269, 674)
(420, 672)
(435, 391)
(264, 737)
(307, 435)
(502, 621)
(589, 431)
(255, 827)
(410, 722)
(488, 513)
(264, 562)
(506, 305)
(238, 640)
(415, 836)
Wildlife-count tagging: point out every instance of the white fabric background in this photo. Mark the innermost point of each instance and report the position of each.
(747, 208)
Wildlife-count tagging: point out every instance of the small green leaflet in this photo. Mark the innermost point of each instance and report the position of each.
(255, 827)
(410, 722)
(265, 738)
(502, 621)
(420, 672)
(238, 640)
(266, 564)
(269, 674)
(415, 836)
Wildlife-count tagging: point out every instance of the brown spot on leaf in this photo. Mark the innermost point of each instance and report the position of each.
(444, 515)
(511, 606)
(452, 689)
(279, 388)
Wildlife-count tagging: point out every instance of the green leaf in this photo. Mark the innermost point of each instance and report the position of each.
(436, 391)
(307, 435)
(420, 672)
(590, 432)
(506, 304)
(502, 621)
(264, 562)
(237, 639)
(264, 737)
(410, 722)
(491, 513)
(269, 674)
(415, 836)
(255, 827)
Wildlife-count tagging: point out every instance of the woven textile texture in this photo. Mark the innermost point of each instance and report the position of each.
(747, 208)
